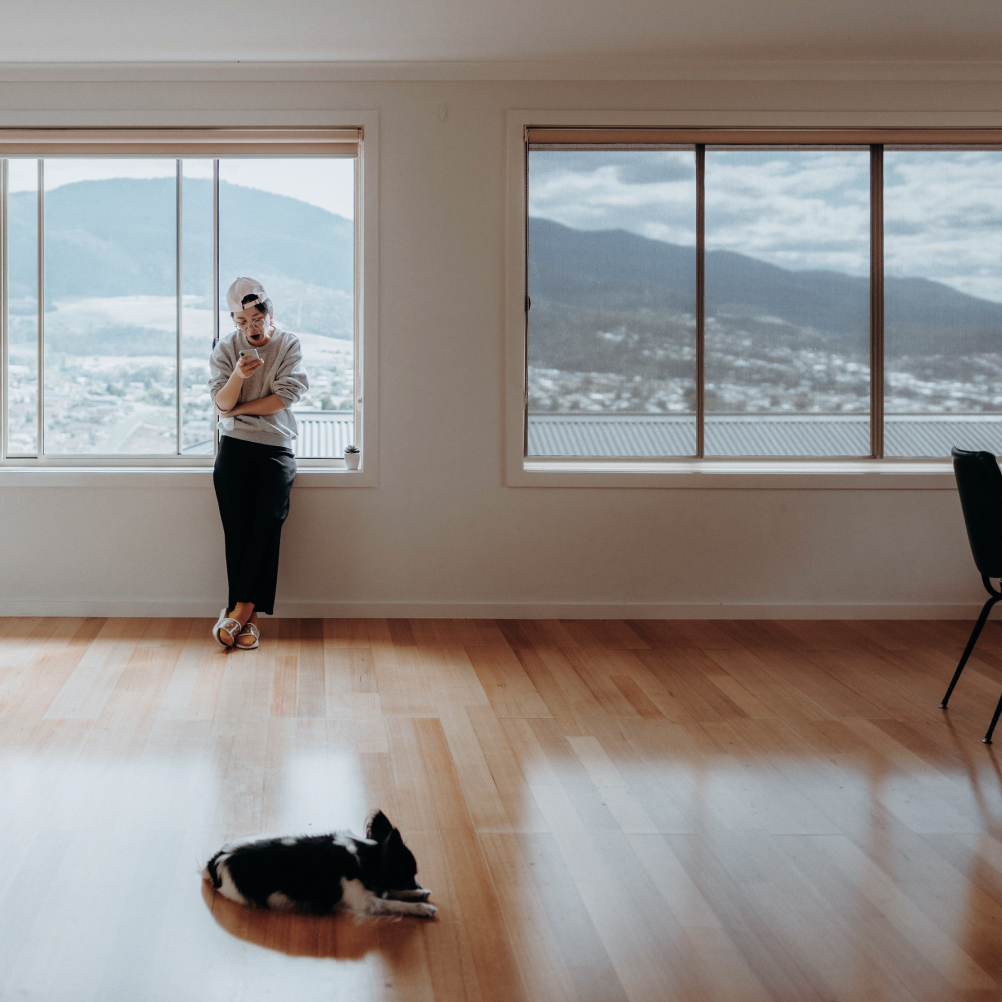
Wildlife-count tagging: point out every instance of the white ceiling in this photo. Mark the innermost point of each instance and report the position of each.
(473, 30)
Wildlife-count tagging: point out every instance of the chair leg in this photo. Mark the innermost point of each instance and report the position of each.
(998, 712)
(975, 633)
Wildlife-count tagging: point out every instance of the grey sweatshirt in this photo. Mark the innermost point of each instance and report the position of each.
(282, 374)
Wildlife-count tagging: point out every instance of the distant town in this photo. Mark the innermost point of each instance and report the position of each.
(121, 404)
(746, 373)
(115, 404)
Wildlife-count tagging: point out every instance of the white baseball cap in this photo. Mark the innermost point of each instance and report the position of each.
(242, 288)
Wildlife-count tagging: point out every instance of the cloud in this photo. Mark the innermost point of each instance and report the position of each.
(652, 193)
(799, 209)
(943, 218)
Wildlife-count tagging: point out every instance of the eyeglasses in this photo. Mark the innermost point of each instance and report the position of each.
(258, 321)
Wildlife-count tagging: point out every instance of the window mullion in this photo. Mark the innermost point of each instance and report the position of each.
(177, 298)
(41, 309)
(358, 401)
(700, 296)
(215, 284)
(877, 301)
(526, 303)
(4, 379)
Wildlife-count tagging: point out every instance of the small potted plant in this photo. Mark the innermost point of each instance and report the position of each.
(351, 457)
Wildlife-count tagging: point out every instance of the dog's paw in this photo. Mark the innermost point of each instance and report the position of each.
(425, 911)
(414, 894)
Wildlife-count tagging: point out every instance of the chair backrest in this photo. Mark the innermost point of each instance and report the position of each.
(979, 481)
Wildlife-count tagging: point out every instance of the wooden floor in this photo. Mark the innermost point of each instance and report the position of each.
(606, 811)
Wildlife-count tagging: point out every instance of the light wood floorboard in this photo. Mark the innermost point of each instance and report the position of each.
(606, 811)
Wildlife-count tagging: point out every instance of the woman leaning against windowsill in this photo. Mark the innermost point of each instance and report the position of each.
(255, 466)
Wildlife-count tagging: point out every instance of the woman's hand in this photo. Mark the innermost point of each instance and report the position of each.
(229, 394)
(247, 365)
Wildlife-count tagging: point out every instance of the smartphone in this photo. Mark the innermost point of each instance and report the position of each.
(249, 353)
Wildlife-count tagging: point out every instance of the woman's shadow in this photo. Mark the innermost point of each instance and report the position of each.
(339, 936)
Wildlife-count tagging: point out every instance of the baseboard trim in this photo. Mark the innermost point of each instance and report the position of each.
(505, 610)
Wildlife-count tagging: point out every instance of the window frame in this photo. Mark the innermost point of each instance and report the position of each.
(874, 472)
(361, 135)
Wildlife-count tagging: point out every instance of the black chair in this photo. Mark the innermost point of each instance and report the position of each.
(979, 481)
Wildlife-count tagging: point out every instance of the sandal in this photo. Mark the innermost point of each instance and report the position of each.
(226, 625)
(249, 633)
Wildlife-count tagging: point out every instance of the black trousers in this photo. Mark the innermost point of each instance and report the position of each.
(253, 483)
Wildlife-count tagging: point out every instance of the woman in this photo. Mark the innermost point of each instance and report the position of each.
(256, 375)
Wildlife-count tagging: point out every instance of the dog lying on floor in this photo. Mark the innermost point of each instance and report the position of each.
(317, 874)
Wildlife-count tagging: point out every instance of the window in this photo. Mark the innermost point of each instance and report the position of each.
(723, 295)
(117, 252)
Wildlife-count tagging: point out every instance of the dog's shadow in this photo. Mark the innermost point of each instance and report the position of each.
(339, 936)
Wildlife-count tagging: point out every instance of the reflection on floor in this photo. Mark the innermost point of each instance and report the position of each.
(606, 811)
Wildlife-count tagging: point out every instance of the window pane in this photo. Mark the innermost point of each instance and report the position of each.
(612, 282)
(787, 303)
(110, 307)
(197, 306)
(289, 224)
(22, 307)
(942, 301)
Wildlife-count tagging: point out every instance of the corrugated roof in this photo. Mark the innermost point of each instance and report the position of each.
(788, 435)
(611, 435)
(656, 435)
(324, 434)
(906, 435)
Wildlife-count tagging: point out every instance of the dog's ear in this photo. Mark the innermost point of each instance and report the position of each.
(379, 827)
(392, 848)
(397, 865)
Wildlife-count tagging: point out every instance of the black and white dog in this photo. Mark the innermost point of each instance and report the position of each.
(317, 874)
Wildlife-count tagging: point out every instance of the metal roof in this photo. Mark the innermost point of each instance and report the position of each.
(792, 435)
(922, 435)
(324, 434)
(653, 435)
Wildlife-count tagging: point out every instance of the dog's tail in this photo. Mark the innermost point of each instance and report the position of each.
(211, 872)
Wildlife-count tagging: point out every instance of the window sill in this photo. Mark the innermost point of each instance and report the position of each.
(160, 477)
(742, 474)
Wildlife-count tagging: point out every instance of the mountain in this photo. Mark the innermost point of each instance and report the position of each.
(601, 274)
(117, 238)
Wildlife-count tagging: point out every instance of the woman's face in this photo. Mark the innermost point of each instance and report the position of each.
(254, 325)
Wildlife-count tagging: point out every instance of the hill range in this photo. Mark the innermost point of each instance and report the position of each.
(610, 273)
(116, 238)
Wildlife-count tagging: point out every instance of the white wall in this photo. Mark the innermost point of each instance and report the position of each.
(441, 535)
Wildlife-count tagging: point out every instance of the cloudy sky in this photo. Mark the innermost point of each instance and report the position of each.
(328, 184)
(796, 209)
